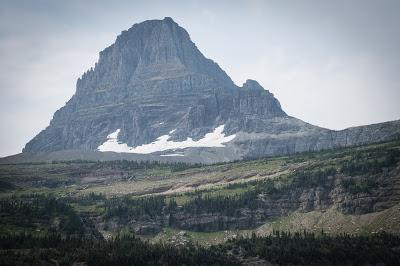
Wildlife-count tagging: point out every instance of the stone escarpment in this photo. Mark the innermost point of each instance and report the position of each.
(153, 80)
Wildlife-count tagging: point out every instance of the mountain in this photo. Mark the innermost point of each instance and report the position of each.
(154, 95)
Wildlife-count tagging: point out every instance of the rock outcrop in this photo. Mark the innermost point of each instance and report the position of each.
(330, 194)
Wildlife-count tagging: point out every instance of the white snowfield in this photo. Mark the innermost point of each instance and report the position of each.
(172, 155)
(213, 139)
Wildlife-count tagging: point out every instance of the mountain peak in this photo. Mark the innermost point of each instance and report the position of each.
(154, 91)
(169, 20)
(148, 51)
(252, 85)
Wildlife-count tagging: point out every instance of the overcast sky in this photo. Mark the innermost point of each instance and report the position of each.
(335, 64)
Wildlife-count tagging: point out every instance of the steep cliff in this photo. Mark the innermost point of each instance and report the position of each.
(153, 91)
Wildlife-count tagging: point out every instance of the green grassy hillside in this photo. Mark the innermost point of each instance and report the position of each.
(353, 191)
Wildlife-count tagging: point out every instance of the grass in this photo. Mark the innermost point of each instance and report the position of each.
(175, 236)
(82, 178)
(96, 209)
(75, 180)
(333, 221)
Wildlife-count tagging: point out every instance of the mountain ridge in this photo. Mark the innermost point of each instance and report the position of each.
(195, 155)
(153, 81)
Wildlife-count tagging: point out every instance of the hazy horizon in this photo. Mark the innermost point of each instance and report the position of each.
(332, 64)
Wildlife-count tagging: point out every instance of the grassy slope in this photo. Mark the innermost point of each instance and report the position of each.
(333, 221)
(77, 179)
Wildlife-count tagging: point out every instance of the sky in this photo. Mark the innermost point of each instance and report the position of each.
(335, 64)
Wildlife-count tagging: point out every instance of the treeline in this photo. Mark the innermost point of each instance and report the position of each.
(37, 209)
(124, 164)
(144, 165)
(282, 248)
(212, 202)
(312, 176)
(308, 178)
(131, 207)
(363, 163)
(359, 185)
(200, 202)
(121, 250)
(86, 199)
(228, 205)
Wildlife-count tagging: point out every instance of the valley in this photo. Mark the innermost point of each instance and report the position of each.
(350, 190)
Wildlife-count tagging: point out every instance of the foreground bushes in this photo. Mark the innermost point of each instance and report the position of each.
(26, 249)
(278, 249)
(310, 249)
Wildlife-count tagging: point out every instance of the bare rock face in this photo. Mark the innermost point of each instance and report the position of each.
(153, 81)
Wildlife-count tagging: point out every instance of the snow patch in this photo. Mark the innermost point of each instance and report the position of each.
(172, 154)
(213, 139)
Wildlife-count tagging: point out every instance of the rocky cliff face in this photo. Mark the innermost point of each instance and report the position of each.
(153, 82)
(302, 198)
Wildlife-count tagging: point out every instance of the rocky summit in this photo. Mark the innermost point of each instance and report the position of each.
(153, 94)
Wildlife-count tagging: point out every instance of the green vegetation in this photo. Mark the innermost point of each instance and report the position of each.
(38, 213)
(96, 206)
(135, 165)
(363, 185)
(121, 250)
(279, 248)
(135, 207)
(309, 249)
(371, 163)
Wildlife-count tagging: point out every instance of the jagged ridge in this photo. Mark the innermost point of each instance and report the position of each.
(154, 80)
